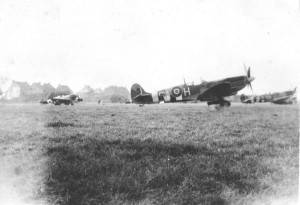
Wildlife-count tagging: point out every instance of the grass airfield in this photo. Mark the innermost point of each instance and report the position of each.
(156, 154)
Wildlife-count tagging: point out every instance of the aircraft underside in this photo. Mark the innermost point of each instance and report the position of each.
(63, 102)
(215, 100)
(211, 101)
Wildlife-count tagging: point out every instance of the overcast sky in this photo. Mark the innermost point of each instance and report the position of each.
(152, 42)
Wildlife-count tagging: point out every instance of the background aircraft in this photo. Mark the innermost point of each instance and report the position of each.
(287, 97)
(213, 92)
(66, 99)
(44, 102)
(248, 99)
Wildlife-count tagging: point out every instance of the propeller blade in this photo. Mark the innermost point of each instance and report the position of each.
(245, 68)
(251, 87)
(248, 73)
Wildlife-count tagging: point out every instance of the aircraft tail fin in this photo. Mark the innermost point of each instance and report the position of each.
(243, 97)
(139, 95)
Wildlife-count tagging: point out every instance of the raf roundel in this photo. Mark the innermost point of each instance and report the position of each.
(176, 91)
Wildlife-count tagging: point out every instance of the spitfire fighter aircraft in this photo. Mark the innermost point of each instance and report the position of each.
(213, 92)
(287, 97)
(66, 99)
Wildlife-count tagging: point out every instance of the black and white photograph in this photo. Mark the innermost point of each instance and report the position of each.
(149, 102)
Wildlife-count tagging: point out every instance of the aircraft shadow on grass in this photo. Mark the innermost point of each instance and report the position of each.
(136, 169)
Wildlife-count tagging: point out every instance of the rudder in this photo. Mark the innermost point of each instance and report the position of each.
(139, 95)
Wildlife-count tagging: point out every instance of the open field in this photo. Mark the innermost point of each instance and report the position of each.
(157, 154)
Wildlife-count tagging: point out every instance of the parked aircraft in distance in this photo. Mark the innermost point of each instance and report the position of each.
(66, 99)
(44, 102)
(248, 99)
(287, 97)
(213, 92)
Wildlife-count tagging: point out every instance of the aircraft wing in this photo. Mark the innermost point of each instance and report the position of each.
(218, 90)
(66, 97)
(281, 100)
(61, 100)
(247, 101)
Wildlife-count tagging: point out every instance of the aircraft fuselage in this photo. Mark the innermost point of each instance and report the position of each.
(190, 92)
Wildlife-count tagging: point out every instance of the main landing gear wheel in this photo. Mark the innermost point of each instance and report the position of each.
(225, 103)
(210, 103)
